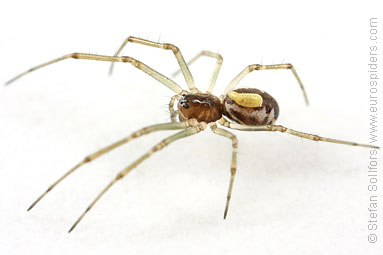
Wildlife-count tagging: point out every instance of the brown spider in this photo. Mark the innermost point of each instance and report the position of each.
(251, 110)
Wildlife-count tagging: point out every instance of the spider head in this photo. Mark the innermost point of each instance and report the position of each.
(202, 107)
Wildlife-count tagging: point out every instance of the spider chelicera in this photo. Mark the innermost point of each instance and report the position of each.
(250, 109)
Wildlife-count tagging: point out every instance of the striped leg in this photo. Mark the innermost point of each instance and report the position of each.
(166, 46)
(233, 169)
(156, 75)
(120, 175)
(289, 131)
(251, 68)
(218, 65)
(138, 133)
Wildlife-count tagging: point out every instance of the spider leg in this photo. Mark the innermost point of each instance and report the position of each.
(91, 157)
(233, 169)
(251, 68)
(138, 64)
(289, 131)
(166, 46)
(173, 113)
(120, 175)
(218, 65)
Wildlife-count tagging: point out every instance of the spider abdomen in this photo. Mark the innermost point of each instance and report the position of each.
(202, 107)
(265, 114)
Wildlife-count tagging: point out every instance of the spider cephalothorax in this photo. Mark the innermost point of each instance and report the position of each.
(251, 109)
(202, 107)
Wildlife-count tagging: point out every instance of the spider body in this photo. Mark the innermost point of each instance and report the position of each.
(251, 109)
(209, 108)
(264, 114)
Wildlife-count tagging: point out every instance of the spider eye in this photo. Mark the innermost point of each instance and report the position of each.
(184, 104)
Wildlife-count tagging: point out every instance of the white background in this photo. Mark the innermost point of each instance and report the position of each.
(291, 196)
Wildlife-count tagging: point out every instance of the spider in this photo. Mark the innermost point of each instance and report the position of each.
(249, 109)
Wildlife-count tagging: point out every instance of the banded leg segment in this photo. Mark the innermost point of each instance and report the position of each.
(166, 46)
(289, 131)
(125, 59)
(138, 133)
(233, 169)
(251, 68)
(218, 65)
(120, 175)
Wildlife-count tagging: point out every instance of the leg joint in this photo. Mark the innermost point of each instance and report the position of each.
(160, 145)
(119, 176)
(278, 128)
(172, 47)
(235, 141)
(254, 67)
(140, 133)
(131, 60)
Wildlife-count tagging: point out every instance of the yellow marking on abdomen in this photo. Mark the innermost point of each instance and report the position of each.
(246, 99)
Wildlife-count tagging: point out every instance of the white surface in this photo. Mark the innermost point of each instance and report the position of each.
(290, 196)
